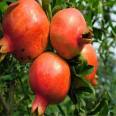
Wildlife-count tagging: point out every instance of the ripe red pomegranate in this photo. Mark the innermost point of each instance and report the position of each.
(67, 31)
(26, 29)
(94, 82)
(49, 79)
(89, 54)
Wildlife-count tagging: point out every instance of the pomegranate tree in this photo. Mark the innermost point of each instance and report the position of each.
(26, 29)
(68, 32)
(49, 79)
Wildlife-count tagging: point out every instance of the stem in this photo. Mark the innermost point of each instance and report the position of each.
(11, 93)
(5, 105)
(25, 93)
(61, 110)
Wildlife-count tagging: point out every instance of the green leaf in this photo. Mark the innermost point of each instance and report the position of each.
(57, 8)
(101, 105)
(3, 6)
(100, 7)
(86, 86)
(104, 109)
(72, 95)
(7, 78)
(88, 69)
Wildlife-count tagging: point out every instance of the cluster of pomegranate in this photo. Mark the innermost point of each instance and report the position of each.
(26, 31)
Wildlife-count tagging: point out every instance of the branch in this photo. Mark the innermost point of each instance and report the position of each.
(5, 105)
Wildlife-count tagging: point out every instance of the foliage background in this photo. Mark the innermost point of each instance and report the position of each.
(15, 94)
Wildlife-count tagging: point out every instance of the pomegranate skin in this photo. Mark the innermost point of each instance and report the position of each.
(66, 29)
(94, 82)
(89, 54)
(26, 26)
(49, 79)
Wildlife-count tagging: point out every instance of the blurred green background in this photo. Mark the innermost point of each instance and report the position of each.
(16, 96)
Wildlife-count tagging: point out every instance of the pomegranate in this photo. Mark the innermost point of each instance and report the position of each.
(67, 32)
(89, 54)
(94, 82)
(26, 29)
(49, 79)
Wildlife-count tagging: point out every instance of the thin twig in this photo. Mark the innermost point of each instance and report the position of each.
(5, 105)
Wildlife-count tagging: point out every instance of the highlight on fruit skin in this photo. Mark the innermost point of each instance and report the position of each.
(49, 78)
(26, 29)
(89, 54)
(68, 32)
